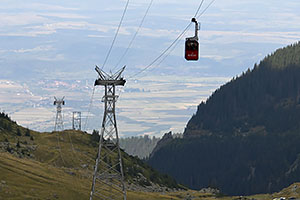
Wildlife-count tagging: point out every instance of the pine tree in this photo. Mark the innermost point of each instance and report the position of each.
(27, 133)
(19, 132)
(18, 144)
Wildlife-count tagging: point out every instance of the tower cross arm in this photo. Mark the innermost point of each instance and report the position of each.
(119, 73)
(120, 82)
(101, 73)
(105, 79)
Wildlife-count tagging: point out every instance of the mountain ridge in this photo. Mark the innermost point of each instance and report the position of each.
(244, 139)
(241, 104)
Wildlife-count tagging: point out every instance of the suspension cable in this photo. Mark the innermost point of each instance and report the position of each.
(89, 109)
(134, 36)
(115, 37)
(175, 42)
(206, 8)
(199, 7)
(163, 53)
(178, 37)
(185, 32)
(59, 149)
(167, 55)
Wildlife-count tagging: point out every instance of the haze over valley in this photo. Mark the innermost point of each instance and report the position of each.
(50, 49)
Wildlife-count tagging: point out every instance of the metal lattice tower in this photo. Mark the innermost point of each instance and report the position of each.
(108, 178)
(76, 120)
(59, 125)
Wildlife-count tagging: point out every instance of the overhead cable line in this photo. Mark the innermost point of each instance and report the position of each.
(89, 109)
(59, 149)
(161, 55)
(134, 36)
(196, 16)
(174, 43)
(170, 46)
(199, 7)
(206, 8)
(115, 37)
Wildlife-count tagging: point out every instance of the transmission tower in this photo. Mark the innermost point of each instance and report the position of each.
(108, 178)
(59, 126)
(76, 120)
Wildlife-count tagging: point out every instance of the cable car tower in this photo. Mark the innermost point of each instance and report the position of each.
(108, 178)
(76, 120)
(192, 44)
(59, 126)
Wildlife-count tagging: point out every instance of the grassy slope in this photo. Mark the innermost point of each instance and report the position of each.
(28, 179)
(45, 171)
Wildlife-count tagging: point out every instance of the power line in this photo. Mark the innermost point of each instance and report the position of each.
(133, 38)
(115, 37)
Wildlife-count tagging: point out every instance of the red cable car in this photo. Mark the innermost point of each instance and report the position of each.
(191, 49)
(192, 44)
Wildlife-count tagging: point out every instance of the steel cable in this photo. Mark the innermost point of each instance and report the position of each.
(134, 36)
(174, 43)
(115, 37)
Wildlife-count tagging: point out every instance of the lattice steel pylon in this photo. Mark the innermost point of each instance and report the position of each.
(108, 178)
(59, 124)
(76, 120)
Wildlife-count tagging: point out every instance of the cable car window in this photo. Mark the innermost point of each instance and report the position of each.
(191, 45)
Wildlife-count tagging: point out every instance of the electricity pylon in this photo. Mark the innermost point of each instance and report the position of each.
(108, 178)
(59, 125)
(76, 120)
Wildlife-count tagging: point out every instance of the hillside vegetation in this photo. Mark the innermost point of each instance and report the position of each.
(22, 178)
(267, 97)
(60, 164)
(245, 138)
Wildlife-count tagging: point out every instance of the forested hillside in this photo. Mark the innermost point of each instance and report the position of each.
(266, 97)
(245, 138)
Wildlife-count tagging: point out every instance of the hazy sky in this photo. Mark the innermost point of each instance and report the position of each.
(49, 48)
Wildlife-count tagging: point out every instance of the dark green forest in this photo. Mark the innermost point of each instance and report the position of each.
(237, 165)
(245, 138)
(266, 97)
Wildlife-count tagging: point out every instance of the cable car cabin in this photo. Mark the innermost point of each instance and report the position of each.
(192, 44)
(191, 49)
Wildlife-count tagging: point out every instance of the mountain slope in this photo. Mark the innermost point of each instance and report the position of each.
(245, 138)
(22, 178)
(61, 164)
(266, 97)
